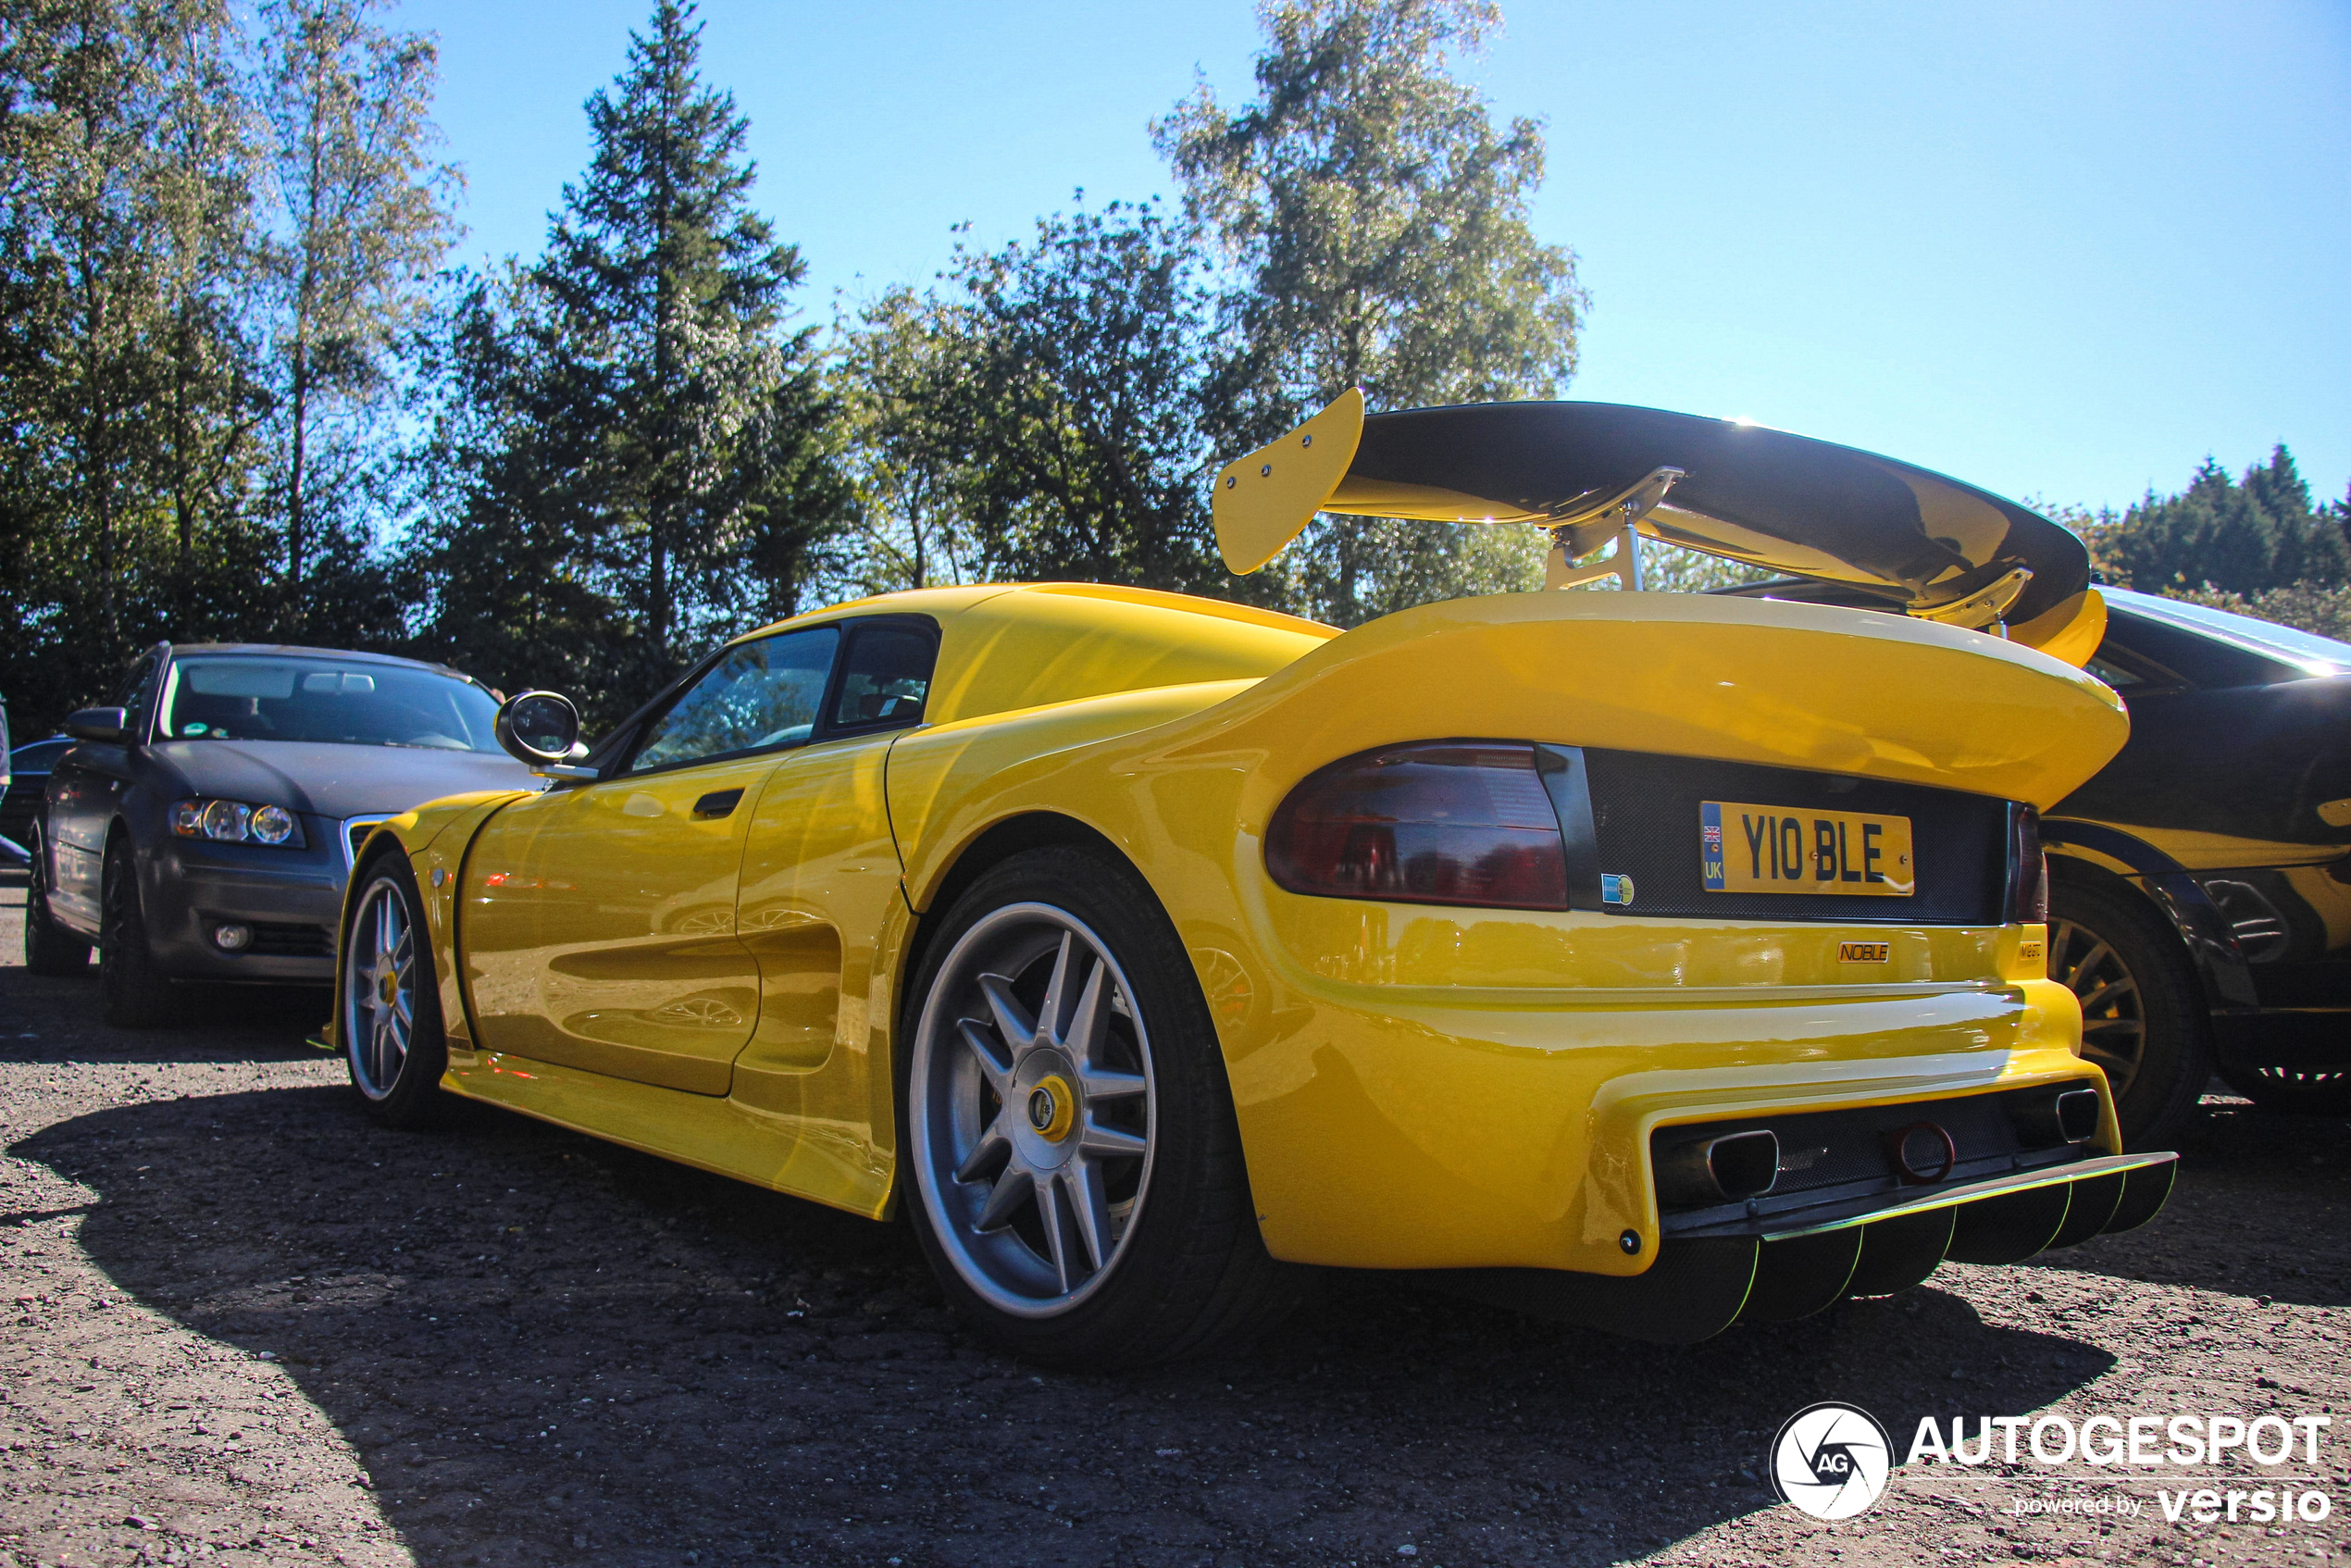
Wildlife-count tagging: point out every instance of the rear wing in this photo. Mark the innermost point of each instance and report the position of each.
(1914, 540)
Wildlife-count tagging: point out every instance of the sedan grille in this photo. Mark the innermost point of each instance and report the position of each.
(287, 940)
(355, 833)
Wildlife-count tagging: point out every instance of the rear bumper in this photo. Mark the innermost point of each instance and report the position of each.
(1403, 1127)
(1774, 1271)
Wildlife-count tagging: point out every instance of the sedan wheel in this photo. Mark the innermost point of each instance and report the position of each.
(2113, 1019)
(390, 1017)
(131, 993)
(1071, 1162)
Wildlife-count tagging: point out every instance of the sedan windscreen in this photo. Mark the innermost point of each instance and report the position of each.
(233, 697)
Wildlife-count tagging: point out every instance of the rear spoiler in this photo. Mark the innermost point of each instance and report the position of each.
(1909, 539)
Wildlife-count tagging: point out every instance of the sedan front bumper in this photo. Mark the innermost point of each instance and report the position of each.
(290, 899)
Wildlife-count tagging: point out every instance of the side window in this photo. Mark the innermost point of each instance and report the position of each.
(762, 694)
(885, 679)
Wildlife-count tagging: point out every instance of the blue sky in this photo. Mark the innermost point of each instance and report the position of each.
(2057, 249)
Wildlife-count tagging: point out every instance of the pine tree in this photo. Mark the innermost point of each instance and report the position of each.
(1376, 222)
(2242, 538)
(711, 486)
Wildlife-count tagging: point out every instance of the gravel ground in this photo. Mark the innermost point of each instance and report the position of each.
(243, 1325)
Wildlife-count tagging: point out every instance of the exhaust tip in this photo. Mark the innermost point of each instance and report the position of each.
(2049, 1117)
(1718, 1167)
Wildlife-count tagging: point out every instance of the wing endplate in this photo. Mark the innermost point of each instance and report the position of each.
(1266, 499)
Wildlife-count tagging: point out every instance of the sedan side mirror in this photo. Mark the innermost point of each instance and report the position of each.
(542, 729)
(108, 725)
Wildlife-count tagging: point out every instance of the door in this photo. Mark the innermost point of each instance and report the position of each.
(598, 924)
(820, 884)
(86, 790)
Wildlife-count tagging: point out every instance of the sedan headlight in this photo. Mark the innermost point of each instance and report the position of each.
(234, 822)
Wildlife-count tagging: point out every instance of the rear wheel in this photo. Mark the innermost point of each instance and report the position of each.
(132, 993)
(49, 948)
(1074, 1169)
(389, 1012)
(2143, 1012)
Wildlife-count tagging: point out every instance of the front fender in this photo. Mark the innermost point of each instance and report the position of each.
(434, 837)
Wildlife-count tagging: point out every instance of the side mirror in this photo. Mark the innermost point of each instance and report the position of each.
(542, 729)
(109, 726)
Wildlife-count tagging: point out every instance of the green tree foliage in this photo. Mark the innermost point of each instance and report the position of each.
(364, 213)
(2241, 538)
(127, 402)
(1042, 415)
(1373, 220)
(635, 443)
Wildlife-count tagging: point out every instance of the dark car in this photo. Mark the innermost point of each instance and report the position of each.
(204, 828)
(11, 852)
(2200, 883)
(29, 767)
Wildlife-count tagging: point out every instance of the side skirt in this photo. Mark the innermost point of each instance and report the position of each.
(725, 1137)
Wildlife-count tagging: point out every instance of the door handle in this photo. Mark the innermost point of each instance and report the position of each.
(717, 803)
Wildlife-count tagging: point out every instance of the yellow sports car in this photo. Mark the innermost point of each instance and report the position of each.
(1647, 960)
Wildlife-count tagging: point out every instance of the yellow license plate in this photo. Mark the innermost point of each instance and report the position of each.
(1752, 849)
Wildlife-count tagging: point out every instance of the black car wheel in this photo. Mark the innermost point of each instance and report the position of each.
(132, 994)
(49, 948)
(2143, 1016)
(1071, 1162)
(390, 1017)
(2298, 1092)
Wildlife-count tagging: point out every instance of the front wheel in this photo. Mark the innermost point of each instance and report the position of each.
(1074, 1170)
(49, 948)
(132, 993)
(389, 1018)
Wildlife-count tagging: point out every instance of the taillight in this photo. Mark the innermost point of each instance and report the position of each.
(1460, 822)
(2028, 869)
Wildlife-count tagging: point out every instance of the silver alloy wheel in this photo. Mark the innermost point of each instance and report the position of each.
(2113, 1014)
(1032, 1109)
(379, 989)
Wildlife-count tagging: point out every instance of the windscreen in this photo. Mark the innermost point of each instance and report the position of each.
(279, 697)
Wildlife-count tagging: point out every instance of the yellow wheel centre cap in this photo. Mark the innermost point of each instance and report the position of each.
(1053, 1108)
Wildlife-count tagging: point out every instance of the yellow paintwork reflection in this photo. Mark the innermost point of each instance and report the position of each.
(600, 927)
(1416, 1087)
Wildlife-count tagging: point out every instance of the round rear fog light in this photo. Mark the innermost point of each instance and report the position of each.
(232, 937)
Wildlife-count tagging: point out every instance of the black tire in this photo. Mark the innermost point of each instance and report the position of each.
(2296, 1092)
(2143, 1017)
(49, 948)
(132, 993)
(388, 1015)
(1183, 1271)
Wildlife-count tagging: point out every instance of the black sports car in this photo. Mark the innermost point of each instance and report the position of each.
(203, 828)
(2200, 883)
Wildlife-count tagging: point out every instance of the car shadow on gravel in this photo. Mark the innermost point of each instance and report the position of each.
(546, 1349)
(45, 1018)
(2260, 1211)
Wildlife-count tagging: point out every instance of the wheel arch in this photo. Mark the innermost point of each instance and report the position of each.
(2076, 852)
(988, 849)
